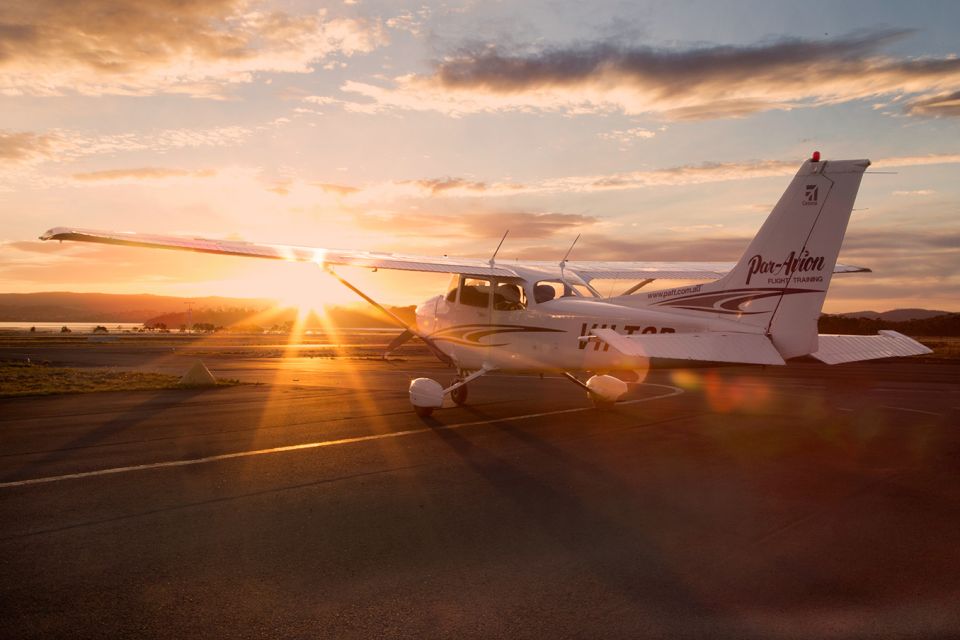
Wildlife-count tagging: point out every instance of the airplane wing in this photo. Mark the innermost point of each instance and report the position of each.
(592, 270)
(372, 259)
(586, 270)
(747, 348)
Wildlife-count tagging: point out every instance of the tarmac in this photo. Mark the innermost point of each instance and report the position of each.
(747, 502)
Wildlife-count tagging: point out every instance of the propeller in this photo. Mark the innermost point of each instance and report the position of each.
(409, 331)
(401, 339)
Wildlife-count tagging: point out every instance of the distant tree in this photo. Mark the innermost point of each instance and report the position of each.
(183, 328)
(100, 329)
(65, 329)
(33, 329)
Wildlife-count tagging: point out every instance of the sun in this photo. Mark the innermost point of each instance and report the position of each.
(303, 286)
(299, 285)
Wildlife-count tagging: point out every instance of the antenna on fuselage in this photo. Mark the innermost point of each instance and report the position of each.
(493, 258)
(563, 263)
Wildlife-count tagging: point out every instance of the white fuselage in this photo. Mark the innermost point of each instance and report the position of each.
(545, 336)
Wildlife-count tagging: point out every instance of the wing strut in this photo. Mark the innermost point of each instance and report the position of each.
(637, 287)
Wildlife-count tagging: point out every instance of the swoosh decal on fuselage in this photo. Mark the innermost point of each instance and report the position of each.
(471, 334)
(728, 302)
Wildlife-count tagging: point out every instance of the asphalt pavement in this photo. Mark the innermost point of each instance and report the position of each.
(799, 501)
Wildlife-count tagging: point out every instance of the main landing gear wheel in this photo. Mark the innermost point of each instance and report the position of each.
(600, 403)
(423, 412)
(459, 395)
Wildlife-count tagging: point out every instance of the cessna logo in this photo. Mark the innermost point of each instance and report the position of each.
(810, 195)
(804, 263)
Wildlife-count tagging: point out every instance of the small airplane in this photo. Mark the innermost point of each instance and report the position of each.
(544, 317)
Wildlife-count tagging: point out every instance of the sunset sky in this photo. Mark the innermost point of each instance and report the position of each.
(657, 130)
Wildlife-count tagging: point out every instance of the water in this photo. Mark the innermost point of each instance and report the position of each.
(77, 327)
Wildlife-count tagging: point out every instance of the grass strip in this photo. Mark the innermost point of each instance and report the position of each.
(29, 379)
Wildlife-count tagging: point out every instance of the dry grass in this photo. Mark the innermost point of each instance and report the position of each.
(944, 348)
(27, 379)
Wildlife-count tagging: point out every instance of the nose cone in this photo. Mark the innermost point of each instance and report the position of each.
(426, 315)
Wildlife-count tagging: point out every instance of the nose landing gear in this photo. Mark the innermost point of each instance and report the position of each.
(427, 395)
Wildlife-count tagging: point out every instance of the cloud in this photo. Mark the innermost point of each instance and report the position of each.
(917, 161)
(475, 225)
(64, 144)
(914, 192)
(946, 105)
(694, 228)
(678, 84)
(129, 47)
(409, 21)
(338, 189)
(439, 185)
(21, 152)
(141, 173)
(680, 175)
(625, 137)
(23, 146)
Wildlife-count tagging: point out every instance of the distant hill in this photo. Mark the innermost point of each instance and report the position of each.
(945, 324)
(97, 307)
(173, 311)
(897, 315)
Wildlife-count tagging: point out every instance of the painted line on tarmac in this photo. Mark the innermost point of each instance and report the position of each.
(674, 391)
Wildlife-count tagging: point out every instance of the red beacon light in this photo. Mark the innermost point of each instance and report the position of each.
(815, 157)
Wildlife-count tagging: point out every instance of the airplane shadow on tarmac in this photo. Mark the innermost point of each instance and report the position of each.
(615, 539)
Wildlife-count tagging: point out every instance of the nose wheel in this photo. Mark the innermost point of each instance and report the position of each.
(459, 395)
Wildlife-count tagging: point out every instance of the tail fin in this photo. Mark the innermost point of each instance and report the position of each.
(781, 280)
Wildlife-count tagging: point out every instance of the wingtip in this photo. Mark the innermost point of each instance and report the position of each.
(51, 234)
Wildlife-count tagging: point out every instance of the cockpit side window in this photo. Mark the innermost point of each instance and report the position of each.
(475, 292)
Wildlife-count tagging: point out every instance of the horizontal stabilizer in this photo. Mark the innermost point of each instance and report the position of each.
(835, 349)
(746, 348)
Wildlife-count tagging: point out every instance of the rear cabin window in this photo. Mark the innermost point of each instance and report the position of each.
(475, 292)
